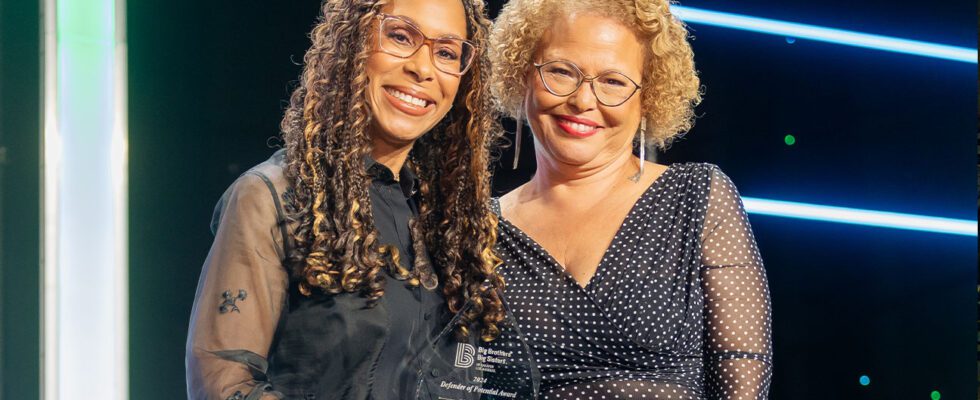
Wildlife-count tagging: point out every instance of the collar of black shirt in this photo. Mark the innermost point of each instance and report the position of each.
(407, 179)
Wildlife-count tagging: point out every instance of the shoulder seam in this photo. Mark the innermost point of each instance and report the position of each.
(280, 218)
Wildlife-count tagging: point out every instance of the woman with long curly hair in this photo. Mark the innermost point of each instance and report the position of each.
(337, 260)
(630, 279)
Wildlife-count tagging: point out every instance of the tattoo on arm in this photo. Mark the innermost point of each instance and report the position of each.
(228, 302)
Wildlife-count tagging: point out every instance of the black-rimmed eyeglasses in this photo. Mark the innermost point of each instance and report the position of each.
(562, 78)
(401, 38)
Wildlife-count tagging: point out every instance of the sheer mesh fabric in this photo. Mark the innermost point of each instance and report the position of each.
(678, 307)
(239, 298)
(737, 311)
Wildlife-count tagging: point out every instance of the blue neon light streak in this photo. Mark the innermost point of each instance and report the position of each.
(813, 32)
(856, 216)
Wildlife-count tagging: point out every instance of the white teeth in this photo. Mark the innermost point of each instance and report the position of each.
(579, 127)
(406, 97)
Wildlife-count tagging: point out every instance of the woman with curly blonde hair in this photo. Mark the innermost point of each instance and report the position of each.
(336, 261)
(629, 279)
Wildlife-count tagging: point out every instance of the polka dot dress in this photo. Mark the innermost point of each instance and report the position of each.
(678, 307)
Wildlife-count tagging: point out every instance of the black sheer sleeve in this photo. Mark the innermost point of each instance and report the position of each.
(738, 347)
(239, 297)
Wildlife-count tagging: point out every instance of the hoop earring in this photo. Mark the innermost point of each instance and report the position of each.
(643, 150)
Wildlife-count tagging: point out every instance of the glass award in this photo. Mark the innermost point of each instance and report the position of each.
(454, 368)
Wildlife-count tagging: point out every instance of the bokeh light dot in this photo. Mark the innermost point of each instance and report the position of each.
(936, 395)
(790, 140)
(864, 380)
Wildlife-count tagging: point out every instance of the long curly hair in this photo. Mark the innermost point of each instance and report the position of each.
(335, 246)
(671, 87)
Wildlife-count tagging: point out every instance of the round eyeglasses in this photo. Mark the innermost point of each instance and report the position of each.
(562, 78)
(401, 38)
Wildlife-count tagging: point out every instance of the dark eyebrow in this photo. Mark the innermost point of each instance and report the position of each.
(416, 24)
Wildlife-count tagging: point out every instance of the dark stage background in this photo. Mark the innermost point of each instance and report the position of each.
(874, 130)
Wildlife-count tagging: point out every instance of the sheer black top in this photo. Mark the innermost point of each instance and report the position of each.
(254, 336)
(677, 309)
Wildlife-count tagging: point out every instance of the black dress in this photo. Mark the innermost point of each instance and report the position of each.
(678, 307)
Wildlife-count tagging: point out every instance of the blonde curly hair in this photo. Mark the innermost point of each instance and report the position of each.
(670, 84)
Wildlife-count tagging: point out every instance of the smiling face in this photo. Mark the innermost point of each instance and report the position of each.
(577, 130)
(409, 96)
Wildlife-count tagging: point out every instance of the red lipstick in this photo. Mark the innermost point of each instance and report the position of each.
(577, 126)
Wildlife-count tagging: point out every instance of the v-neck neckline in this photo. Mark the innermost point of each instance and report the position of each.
(534, 244)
